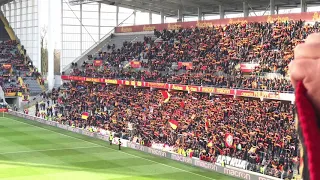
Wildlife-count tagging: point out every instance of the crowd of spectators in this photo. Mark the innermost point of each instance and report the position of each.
(10, 60)
(215, 53)
(263, 131)
(13, 64)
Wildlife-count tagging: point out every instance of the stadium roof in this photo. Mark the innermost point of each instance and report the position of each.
(190, 7)
(5, 1)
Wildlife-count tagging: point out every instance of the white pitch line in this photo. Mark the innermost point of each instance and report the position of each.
(116, 150)
(44, 150)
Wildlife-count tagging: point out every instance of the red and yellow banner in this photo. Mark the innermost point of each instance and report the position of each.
(10, 94)
(85, 115)
(6, 66)
(174, 124)
(258, 94)
(308, 16)
(188, 65)
(97, 62)
(178, 87)
(247, 67)
(135, 64)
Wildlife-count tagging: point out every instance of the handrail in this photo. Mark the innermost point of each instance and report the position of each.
(96, 43)
(193, 84)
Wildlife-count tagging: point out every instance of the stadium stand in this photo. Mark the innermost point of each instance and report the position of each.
(204, 56)
(18, 75)
(194, 124)
(263, 131)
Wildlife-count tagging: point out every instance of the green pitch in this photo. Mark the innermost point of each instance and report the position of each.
(30, 150)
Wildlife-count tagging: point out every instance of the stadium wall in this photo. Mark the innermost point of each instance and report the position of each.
(308, 16)
(230, 171)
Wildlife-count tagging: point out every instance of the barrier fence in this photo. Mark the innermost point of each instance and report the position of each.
(230, 171)
(191, 88)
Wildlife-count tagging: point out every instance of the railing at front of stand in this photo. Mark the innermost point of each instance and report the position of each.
(189, 88)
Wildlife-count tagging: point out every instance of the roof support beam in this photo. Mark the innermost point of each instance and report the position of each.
(199, 14)
(117, 15)
(303, 4)
(134, 17)
(245, 9)
(162, 17)
(150, 17)
(221, 12)
(180, 15)
(272, 7)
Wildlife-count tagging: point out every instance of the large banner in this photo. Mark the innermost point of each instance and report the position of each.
(308, 16)
(135, 64)
(188, 65)
(10, 94)
(234, 162)
(189, 88)
(6, 66)
(248, 67)
(97, 63)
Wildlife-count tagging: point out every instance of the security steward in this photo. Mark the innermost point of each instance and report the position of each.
(119, 144)
(110, 139)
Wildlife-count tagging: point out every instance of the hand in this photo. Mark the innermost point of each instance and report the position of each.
(306, 67)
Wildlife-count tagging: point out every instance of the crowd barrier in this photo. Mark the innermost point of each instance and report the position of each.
(230, 171)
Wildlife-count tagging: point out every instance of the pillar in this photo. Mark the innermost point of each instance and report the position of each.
(180, 15)
(62, 62)
(221, 12)
(99, 21)
(245, 9)
(199, 14)
(50, 44)
(162, 17)
(4, 10)
(38, 39)
(134, 17)
(117, 15)
(14, 14)
(272, 7)
(150, 17)
(9, 18)
(80, 28)
(304, 6)
(21, 30)
(26, 29)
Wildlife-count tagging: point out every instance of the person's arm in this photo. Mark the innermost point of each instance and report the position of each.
(305, 77)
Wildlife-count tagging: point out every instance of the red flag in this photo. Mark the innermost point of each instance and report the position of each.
(166, 96)
(229, 140)
(85, 115)
(207, 125)
(173, 124)
(182, 104)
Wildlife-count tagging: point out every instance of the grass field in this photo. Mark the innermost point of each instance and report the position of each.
(30, 150)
